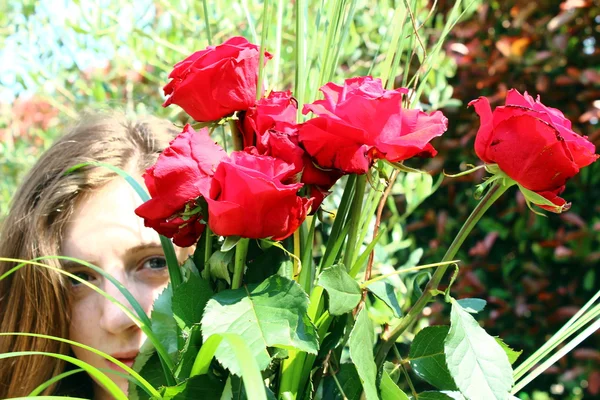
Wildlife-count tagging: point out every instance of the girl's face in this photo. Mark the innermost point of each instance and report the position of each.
(105, 231)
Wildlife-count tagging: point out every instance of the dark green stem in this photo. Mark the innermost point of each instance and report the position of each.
(236, 135)
(354, 220)
(432, 287)
(207, 246)
(241, 249)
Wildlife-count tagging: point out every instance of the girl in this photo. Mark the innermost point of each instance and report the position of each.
(87, 214)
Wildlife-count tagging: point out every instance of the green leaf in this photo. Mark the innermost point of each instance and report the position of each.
(263, 260)
(198, 387)
(148, 365)
(273, 313)
(361, 342)
(348, 381)
(443, 395)
(218, 265)
(420, 278)
(478, 364)
(229, 243)
(427, 358)
(472, 305)
(344, 292)
(163, 323)
(389, 389)
(385, 292)
(238, 390)
(513, 355)
(189, 301)
(189, 352)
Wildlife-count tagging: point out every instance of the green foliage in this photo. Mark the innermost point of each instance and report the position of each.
(478, 364)
(361, 353)
(164, 323)
(427, 357)
(271, 314)
(384, 291)
(344, 293)
(389, 389)
(472, 305)
(189, 301)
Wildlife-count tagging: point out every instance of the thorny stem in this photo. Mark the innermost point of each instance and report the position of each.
(490, 197)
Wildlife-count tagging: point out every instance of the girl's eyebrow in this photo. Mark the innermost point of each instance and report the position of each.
(71, 264)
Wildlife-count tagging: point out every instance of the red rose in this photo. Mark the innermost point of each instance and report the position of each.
(247, 199)
(532, 144)
(360, 122)
(182, 173)
(283, 144)
(278, 107)
(215, 82)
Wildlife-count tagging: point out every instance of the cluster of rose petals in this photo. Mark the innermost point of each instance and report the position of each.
(532, 144)
(254, 193)
(215, 82)
(360, 121)
(182, 173)
(278, 108)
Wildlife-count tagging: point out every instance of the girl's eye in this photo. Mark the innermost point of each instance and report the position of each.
(155, 263)
(83, 275)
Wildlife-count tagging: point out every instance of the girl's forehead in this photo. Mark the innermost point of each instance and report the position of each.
(105, 224)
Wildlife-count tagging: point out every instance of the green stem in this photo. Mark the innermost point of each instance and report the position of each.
(300, 81)
(207, 25)
(236, 136)
(432, 287)
(354, 220)
(207, 246)
(263, 44)
(241, 249)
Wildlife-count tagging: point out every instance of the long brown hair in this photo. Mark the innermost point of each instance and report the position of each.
(34, 299)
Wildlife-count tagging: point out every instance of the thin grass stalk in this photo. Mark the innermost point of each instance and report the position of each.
(249, 20)
(577, 322)
(342, 39)
(300, 81)
(263, 46)
(135, 377)
(354, 221)
(278, 31)
(557, 356)
(389, 56)
(206, 23)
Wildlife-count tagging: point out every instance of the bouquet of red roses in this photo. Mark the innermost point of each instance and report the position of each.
(279, 290)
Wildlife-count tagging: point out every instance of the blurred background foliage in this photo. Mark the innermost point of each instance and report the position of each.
(61, 57)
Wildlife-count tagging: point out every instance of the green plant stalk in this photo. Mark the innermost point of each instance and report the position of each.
(300, 78)
(208, 240)
(354, 221)
(241, 250)
(338, 223)
(263, 45)
(94, 372)
(291, 367)
(570, 328)
(307, 272)
(253, 383)
(38, 390)
(135, 377)
(206, 23)
(490, 197)
(559, 354)
(236, 136)
(278, 32)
